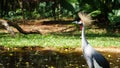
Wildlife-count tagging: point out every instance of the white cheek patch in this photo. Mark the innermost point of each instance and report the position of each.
(80, 22)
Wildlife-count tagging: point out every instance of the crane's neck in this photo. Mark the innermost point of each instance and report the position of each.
(83, 32)
(84, 41)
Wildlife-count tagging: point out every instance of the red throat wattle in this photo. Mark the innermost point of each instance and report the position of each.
(81, 27)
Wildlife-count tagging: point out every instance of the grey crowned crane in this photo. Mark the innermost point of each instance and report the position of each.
(93, 58)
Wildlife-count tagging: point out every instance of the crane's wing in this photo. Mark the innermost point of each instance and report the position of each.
(101, 60)
(98, 61)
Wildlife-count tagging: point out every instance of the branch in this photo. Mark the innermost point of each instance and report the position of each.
(15, 25)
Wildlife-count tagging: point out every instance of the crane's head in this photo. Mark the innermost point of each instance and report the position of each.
(84, 19)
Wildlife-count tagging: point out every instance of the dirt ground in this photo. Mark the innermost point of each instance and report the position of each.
(45, 26)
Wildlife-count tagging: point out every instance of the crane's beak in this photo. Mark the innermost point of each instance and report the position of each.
(77, 22)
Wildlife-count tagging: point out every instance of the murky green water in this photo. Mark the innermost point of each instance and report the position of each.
(27, 58)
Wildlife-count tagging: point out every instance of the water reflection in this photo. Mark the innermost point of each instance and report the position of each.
(38, 58)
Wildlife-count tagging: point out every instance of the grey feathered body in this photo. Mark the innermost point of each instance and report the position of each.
(93, 58)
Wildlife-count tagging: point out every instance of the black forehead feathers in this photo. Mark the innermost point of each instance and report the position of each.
(77, 19)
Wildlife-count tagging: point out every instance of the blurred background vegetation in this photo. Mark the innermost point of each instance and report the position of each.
(105, 12)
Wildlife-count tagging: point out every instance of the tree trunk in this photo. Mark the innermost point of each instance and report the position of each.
(7, 27)
(22, 8)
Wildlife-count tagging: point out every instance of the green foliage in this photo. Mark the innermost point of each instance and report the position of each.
(87, 8)
(65, 4)
(72, 1)
(114, 17)
(18, 11)
(35, 14)
(14, 15)
(95, 13)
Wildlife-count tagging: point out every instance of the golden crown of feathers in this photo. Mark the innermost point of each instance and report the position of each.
(85, 18)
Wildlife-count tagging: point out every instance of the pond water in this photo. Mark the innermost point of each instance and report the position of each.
(46, 58)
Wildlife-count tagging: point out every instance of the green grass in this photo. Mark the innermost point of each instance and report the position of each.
(65, 40)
